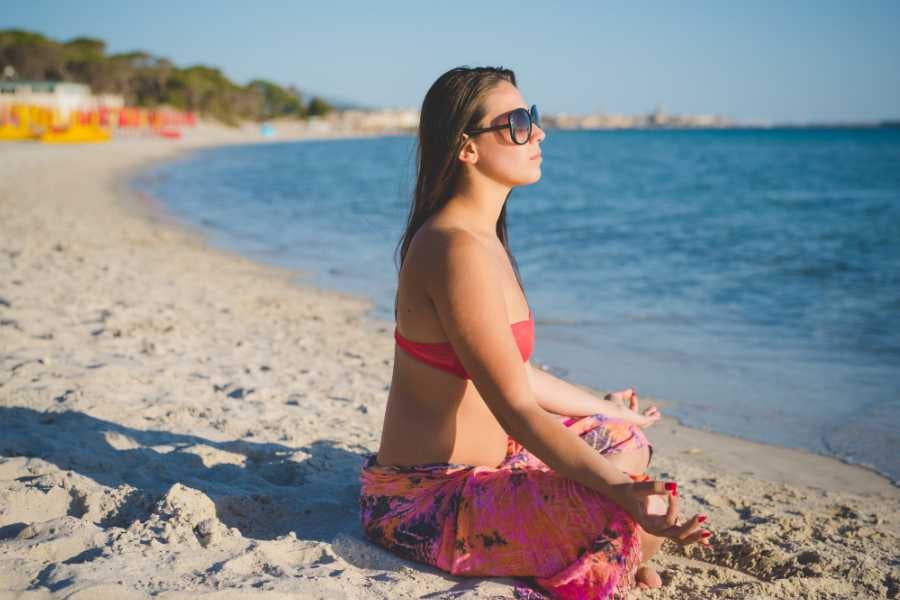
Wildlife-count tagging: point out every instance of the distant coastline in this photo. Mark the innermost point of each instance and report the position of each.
(139, 79)
(407, 121)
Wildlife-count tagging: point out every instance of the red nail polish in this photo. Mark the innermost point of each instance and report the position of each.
(701, 518)
(706, 534)
(671, 486)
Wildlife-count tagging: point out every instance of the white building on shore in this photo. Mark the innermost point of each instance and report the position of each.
(61, 96)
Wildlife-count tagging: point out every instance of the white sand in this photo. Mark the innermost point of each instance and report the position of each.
(178, 421)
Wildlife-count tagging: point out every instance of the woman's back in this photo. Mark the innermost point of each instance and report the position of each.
(434, 415)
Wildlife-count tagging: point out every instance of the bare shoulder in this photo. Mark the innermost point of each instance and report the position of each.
(437, 249)
(433, 240)
(462, 279)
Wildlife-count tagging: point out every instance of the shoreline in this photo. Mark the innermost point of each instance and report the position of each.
(180, 419)
(671, 430)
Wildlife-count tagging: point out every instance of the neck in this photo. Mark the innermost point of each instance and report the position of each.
(478, 201)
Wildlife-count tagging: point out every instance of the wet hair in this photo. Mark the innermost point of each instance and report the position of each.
(453, 104)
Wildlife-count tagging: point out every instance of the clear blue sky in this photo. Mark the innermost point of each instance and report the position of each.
(768, 60)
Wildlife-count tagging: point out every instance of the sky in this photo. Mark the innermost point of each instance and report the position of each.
(762, 61)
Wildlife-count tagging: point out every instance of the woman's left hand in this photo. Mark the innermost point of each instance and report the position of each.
(646, 418)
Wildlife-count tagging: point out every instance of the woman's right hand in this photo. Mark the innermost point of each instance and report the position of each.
(638, 499)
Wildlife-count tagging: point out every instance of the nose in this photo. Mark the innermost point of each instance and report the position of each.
(537, 133)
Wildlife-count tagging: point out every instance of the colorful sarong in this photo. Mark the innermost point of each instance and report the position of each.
(521, 519)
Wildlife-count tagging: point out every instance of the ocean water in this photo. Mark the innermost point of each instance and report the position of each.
(748, 278)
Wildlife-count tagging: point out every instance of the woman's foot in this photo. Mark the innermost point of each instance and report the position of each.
(647, 578)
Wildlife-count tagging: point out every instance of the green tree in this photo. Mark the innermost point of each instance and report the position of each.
(32, 55)
(318, 107)
(277, 101)
(147, 80)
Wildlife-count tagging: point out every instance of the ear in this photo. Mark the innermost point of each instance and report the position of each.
(469, 151)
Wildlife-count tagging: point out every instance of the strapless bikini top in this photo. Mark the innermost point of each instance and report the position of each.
(442, 356)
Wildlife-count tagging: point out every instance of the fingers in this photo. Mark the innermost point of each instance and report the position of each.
(650, 416)
(672, 512)
(701, 536)
(650, 488)
(650, 419)
(665, 525)
(689, 532)
(656, 523)
(633, 401)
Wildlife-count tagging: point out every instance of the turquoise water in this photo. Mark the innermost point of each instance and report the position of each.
(750, 278)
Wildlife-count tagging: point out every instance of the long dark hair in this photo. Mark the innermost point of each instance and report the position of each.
(453, 104)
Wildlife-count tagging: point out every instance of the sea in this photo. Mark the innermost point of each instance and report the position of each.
(747, 278)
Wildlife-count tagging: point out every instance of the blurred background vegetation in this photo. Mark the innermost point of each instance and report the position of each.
(151, 81)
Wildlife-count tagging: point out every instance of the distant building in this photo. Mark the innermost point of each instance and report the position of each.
(378, 120)
(654, 120)
(657, 118)
(61, 96)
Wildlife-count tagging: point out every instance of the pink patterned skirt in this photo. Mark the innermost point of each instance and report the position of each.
(520, 519)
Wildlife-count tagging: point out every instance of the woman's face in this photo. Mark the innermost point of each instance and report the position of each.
(498, 157)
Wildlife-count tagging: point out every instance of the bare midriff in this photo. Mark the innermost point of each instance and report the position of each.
(449, 424)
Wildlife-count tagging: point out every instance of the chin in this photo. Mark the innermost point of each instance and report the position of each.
(527, 179)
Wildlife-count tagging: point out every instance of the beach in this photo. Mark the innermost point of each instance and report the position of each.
(179, 421)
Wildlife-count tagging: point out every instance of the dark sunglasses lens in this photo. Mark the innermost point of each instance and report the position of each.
(535, 116)
(520, 121)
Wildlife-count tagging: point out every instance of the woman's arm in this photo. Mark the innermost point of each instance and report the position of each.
(460, 277)
(562, 398)
(462, 281)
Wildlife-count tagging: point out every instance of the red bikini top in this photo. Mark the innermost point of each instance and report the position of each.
(442, 356)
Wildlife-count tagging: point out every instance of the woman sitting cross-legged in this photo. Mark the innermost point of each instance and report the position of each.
(488, 466)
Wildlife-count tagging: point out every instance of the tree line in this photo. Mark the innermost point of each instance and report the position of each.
(150, 81)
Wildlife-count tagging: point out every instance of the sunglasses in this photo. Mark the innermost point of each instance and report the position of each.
(519, 122)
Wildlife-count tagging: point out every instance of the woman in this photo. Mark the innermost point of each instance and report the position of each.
(483, 467)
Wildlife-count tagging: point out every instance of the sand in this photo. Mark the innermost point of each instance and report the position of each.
(177, 421)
